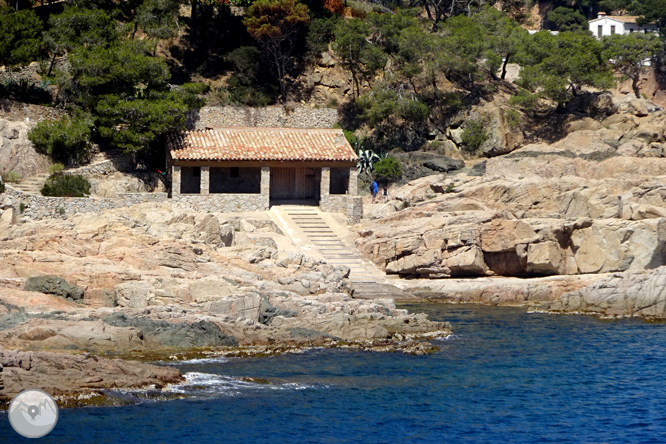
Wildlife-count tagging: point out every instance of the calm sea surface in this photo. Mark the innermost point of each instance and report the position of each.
(505, 377)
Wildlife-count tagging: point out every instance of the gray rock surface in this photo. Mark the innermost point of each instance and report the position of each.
(179, 335)
(54, 285)
(630, 294)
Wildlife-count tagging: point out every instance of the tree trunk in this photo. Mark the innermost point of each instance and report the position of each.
(136, 28)
(506, 62)
(355, 84)
(53, 57)
(634, 85)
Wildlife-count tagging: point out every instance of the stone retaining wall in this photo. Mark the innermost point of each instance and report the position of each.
(224, 202)
(267, 117)
(42, 207)
(103, 168)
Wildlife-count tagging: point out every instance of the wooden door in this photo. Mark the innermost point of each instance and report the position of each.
(293, 183)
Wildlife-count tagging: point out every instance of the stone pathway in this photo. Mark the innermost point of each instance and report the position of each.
(319, 234)
(32, 185)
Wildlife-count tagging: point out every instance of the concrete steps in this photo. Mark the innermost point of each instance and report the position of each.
(319, 234)
(32, 185)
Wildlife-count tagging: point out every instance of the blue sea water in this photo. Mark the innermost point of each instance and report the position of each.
(506, 376)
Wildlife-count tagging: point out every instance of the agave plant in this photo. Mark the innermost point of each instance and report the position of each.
(367, 160)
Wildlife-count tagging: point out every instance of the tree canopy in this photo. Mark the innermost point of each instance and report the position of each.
(20, 36)
(276, 25)
(629, 53)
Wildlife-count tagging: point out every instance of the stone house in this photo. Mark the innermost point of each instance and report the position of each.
(250, 169)
(605, 25)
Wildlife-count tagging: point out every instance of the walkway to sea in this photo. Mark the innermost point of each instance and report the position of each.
(321, 235)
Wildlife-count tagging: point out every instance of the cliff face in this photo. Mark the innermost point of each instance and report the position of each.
(591, 203)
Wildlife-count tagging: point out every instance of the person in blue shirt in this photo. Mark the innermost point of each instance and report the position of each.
(373, 190)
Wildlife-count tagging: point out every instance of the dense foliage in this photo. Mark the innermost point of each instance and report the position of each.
(474, 135)
(388, 171)
(66, 185)
(66, 140)
(412, 66)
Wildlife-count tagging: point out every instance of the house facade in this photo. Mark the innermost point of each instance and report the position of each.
(605, 25)
(250, 169)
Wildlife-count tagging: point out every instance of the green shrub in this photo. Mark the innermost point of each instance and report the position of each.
(321, 31)
(513, 118)
(24, 90)
(2, 187)
(388, 170)
(65, 185)
(12, 177)
(474, 135)
(56, 168)
(66, 140)
(524, 100)
(246, 85)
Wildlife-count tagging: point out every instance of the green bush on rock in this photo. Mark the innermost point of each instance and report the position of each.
(474, 135)
(65, 185)
(388, 170)
(66, 140)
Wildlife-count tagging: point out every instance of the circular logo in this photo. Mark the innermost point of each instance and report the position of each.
(33, 413)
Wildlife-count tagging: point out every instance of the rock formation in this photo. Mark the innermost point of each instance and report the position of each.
(589, 204)
(157, 280)
(17, 153)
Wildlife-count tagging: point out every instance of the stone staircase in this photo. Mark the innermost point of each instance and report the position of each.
(319, 234)
(32, 185)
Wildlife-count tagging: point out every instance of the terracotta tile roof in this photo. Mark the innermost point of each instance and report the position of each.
(261, 144)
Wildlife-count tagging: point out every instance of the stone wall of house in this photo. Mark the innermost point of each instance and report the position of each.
(335, 203)
(267, 117)
(41, 207)
(222, 203)
(355, 209)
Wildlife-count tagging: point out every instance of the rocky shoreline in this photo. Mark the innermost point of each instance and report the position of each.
(87, 303)
(576, 226)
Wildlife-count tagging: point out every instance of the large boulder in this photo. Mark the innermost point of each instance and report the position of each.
(504, 135)
(444, 164)
(17, 152)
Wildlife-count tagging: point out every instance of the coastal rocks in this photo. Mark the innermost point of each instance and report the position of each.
(54, 285)
(67, 377)
(509, 291)
(480, 245)
(178, 335)
(246, 306)
(631, 294)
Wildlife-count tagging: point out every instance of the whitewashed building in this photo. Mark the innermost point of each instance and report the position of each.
(605, 25)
